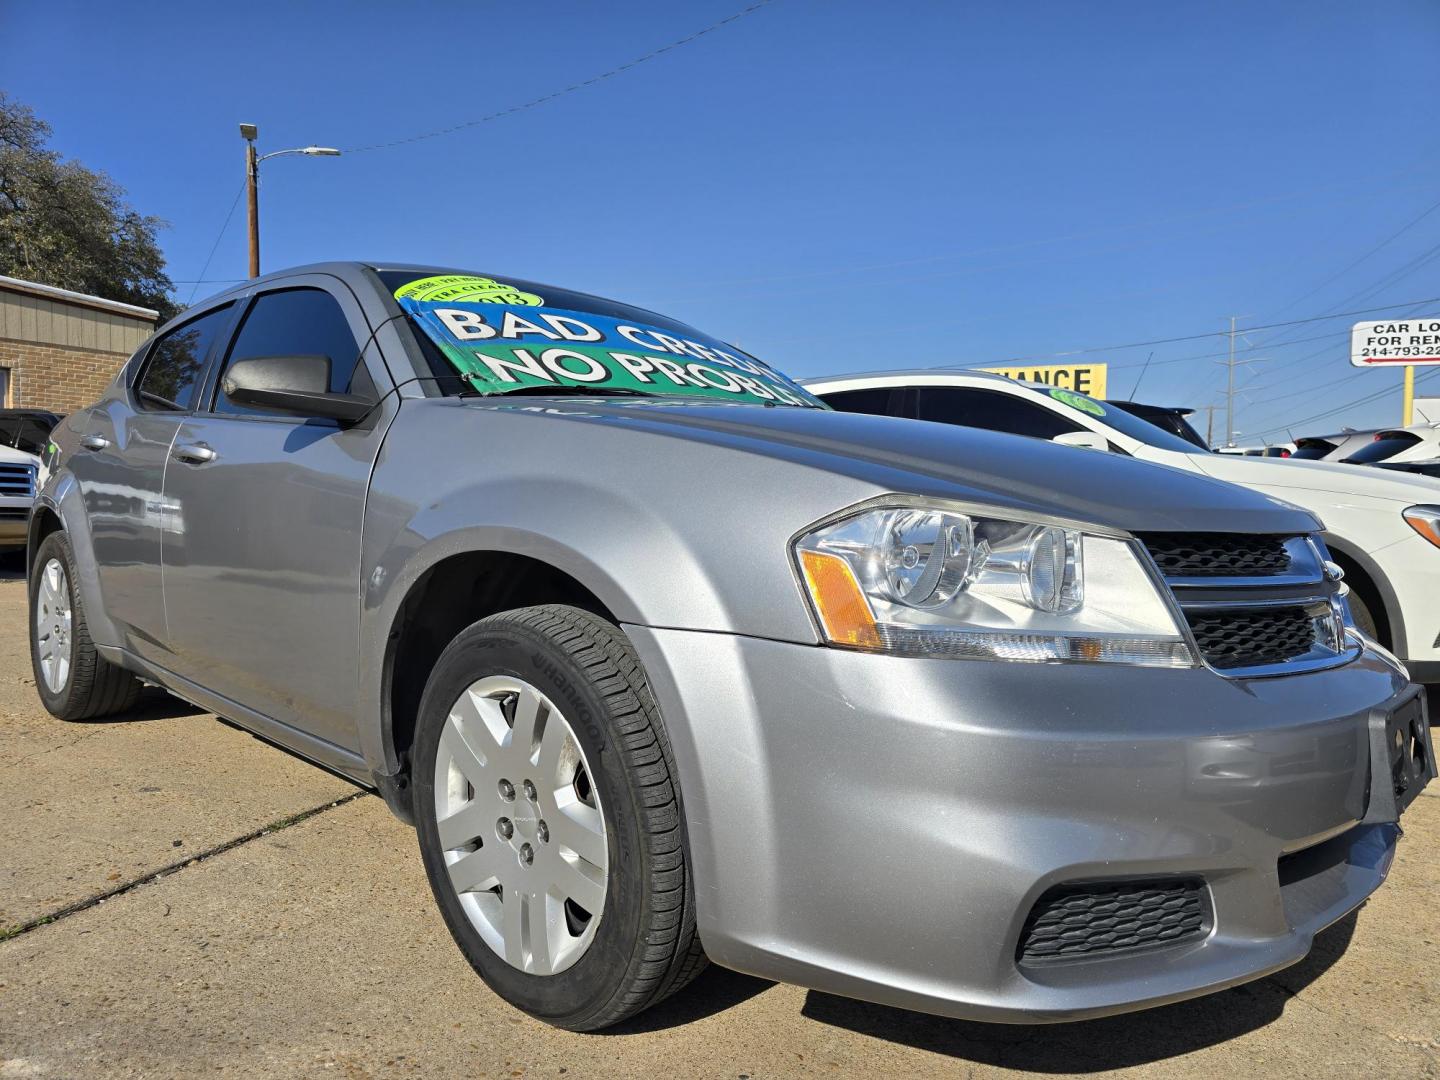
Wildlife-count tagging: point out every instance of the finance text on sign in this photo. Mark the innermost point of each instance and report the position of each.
(1086, 378)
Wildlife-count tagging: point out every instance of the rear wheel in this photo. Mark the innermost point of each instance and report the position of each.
(549, 818)
(74, 681)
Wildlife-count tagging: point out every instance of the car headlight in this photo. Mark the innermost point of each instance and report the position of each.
(1425, 520)
(932, 580)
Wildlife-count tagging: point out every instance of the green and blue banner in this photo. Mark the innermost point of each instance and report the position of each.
(500, 339)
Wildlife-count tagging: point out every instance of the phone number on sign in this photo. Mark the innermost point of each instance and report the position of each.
(1402, 352)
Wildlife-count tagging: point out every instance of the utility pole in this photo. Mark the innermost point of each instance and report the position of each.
(252, 195)
(1229, 389)
(1210, 426)
(248, 132)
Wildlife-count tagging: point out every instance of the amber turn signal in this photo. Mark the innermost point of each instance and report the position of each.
(844, 614)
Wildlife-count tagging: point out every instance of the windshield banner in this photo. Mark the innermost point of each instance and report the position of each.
(502, 347)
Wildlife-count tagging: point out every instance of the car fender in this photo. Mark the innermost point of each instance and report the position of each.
(61, 496)
(598, 537)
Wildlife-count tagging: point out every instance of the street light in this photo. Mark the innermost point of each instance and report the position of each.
(248, 132)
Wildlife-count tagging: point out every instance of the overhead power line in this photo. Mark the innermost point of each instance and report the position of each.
(1347, 405)
(196, 282)
(651, 55)
(1374, 250)
(1202, 336)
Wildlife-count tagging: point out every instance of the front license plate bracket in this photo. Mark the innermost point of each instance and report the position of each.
(1402, 758)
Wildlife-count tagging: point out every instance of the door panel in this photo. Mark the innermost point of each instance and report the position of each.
(262, 565)
(120, 469)
(120, 486)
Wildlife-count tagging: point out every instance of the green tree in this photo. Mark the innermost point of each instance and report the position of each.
(65, 225)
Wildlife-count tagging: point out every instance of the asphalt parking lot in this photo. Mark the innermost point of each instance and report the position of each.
(178, 898)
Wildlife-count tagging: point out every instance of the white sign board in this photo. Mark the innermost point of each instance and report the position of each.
(1397, 342)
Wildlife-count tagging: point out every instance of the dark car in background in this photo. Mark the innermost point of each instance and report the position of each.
(1335, 447)
(1166, 418)
(27, 429)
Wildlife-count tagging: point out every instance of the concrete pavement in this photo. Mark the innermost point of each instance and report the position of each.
(300, 939)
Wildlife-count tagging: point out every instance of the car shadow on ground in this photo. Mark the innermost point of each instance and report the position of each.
(153, 704)
(714, 990)
(1114, 1042)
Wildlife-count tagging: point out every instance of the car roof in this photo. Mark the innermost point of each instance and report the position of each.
(356, 270)
(915, 376)
(1177, 410)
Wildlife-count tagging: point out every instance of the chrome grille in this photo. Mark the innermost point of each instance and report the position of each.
(17, 480)
(1106, 918)
(1255, 605)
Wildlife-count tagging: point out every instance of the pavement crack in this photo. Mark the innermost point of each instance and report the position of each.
(9, 933)
(52, 749)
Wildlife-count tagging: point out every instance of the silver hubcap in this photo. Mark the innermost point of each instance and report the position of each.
(52, 626)
(521, 825)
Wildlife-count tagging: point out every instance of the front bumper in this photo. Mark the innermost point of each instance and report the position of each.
(881, 827)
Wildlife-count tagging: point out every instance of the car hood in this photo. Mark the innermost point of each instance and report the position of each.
(940, 461)
(1331, 477)
(11, 456)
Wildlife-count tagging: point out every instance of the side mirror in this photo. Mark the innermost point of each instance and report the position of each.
(292, 384)
(1091, 440)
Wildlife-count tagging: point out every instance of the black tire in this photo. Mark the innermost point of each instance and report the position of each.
(94, 687)
(645, 946)
(1364, 618)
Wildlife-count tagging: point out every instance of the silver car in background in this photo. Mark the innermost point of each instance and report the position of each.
(666, 660)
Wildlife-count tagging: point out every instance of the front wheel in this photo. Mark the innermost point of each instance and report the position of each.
(74, 681)
(550, 821)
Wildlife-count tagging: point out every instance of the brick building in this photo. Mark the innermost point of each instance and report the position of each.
(60, 349)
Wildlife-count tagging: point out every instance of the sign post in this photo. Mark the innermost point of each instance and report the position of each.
(1407, 343)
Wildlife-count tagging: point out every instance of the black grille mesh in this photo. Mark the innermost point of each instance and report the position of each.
(1217, 554)
(1231, 639)
(1102, 919)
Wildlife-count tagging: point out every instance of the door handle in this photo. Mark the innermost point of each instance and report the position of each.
(194, 454)
(94, 442)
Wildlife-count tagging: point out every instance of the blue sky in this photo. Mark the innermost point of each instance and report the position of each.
(832, 185)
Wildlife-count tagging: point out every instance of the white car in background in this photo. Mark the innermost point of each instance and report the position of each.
(1420, 442)
(1335, 447)
(18, 482)
(1382, 526)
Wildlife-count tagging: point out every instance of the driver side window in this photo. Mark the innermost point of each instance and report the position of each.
(297, 322)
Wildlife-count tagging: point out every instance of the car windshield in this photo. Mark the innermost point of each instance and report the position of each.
(496, 336)
(1087, 408)
(1385, 445)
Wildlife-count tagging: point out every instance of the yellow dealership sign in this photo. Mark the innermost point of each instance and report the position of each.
(1086, 378)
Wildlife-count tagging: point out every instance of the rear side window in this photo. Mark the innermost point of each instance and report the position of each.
(1386, 445)
(1312, 449)
(171, 375)
(28, 433)
(875, 402)
(296, 322)
(993, 411)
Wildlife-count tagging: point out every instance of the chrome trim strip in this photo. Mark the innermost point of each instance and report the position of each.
(1288, 667)
(1221, 582)
(1257, 603)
